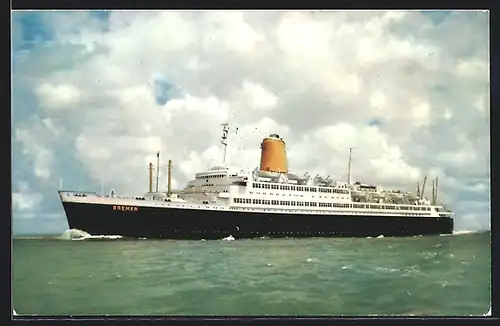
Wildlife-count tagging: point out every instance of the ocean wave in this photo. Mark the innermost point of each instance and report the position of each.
(387, 269)
(79, 235)
(68, 235)
(460, 232)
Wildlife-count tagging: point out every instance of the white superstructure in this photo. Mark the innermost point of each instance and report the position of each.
(228, 188)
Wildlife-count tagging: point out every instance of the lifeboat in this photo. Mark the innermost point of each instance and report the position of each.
(267, 174)
(301, 179)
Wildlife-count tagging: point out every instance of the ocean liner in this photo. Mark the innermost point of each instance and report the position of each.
(266, 202)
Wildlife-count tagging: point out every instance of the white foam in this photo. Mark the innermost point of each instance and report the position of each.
(459, 232)
(380, 236)
(386, 269)
(230, 238)
(108, 237)
(309, 260)
(75, 234)
(203, 240)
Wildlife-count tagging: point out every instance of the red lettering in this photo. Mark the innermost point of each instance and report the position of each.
(125, 208)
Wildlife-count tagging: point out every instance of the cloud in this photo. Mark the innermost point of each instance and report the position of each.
(41, 154)
(257, 96)
(61, 96)
(25, 201)
(409, 91)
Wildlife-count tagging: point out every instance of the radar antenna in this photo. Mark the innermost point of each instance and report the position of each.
(223, 140)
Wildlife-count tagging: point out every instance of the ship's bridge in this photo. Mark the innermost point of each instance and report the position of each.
(222, 172)
(214, 173)
(211, 175)
(219, 168)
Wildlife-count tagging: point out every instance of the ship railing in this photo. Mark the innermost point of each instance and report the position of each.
(93, 193)
(77, 191)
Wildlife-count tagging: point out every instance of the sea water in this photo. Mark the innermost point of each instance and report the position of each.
(96, 275)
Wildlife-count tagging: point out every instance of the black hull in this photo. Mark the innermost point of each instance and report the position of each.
(175, 223)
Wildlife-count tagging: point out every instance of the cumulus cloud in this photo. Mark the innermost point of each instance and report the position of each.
(25, 201)
(409, 95)
(61, 96)
(40, 153)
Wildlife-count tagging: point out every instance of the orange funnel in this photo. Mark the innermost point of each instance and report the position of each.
(273, 154)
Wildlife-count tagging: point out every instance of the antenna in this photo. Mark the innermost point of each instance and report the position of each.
(157, 169)
(349, 171)
(223, 140)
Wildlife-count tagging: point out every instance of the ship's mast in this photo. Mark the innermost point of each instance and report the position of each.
(436, 192)
(349, 170)
(433, 193)
(169, 181)
(157, 169)
(164, 182)
(223, 140)
(423, 188)
(150, 177)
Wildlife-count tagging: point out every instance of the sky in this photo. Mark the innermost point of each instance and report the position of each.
(96, 94)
